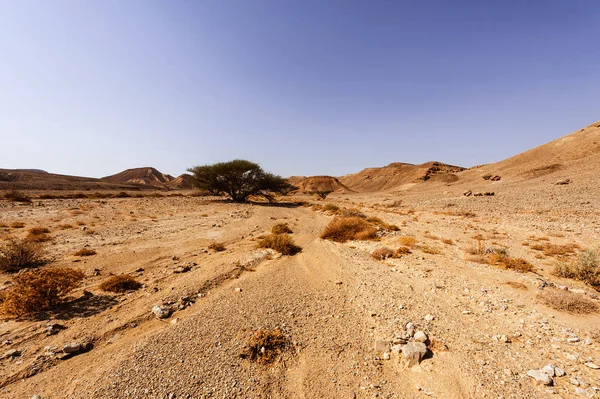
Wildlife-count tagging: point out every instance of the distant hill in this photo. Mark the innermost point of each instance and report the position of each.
(396, 175)
(182, 182)
(318, 183)
(148, 176)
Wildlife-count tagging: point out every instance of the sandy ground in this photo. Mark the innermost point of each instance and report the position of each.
(340, 308)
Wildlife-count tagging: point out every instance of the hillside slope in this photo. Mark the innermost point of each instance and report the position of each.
(318, 183)
(146, 175)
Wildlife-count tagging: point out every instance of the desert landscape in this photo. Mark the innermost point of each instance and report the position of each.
(402, 281)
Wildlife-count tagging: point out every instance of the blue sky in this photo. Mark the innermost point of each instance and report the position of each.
(302, 87)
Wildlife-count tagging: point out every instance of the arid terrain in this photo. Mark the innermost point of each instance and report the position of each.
(469, 277)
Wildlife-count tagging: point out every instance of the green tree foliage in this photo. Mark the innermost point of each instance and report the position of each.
(239, 179)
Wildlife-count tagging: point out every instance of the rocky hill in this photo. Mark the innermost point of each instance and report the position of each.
(318, 183)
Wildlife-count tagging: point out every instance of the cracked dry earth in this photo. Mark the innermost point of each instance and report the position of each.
(341, 310)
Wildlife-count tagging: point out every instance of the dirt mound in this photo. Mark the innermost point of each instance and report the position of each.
(318, 183)
(397, 174)
(182, 182)
(148, 175)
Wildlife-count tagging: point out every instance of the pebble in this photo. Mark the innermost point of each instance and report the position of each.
(429, 317)
(540, 376)
(420, 336)
(72, 347)
(238, 289)
(161, 312)
(549, 370)
(413, 352)
(592, 365)
(11, 353)
(386, 356)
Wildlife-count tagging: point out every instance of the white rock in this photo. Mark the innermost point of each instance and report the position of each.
(420, 336)
(161, 312)
(549, 370)
(559, 372)
(396, 349)
(540, 376)
(572, 340)
(584, 392)
(386, 356)
(413, 352)
(592, 365)
(410, 329)
(429, 317)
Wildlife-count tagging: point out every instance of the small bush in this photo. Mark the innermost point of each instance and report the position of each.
(38, 237)
(20, 254)
(353, 213)
(265, 345)
(567, 301)
(39, 290)
(556, 250)
(217, 246)
(382, 253)
(487, 177)
(85, 252)
(401, 251)
(586, 268)
(407, 241)
(120, 283)
(517, 264)
(281, 228)
(429, 249)
(342, 229)
(65, 226)
(282, 243)
(38, 231)
(17, 196)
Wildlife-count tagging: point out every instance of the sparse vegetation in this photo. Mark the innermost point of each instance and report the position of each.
(239, 179)
(17, 196)
(407, 241)
(217, 246)
(85, 252)
(120, 283)
(568, 301)
(586, 268)
(322, 194)
(378, 222)
(382, 253)
(342, 229)
(17, 225)
(282, 243)
(265, 345)
(39, 290)
(20, 254)
(401, 252)
(330, 208)
(430, 249)
(556, 250)
(281, 228)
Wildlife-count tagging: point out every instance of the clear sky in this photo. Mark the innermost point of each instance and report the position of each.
(302, 87)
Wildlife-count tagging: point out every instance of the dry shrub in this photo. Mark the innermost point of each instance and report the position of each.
(120, 283)
(38, 230)
(330, 207)
(401, 251)
(43, 237)
(556, 250)
(39, 290)
(17, 196)
(407, 241)
(217, 246)
(17, 225)
(517, 264)
(265, 345)
(568, 301)
(382, 253)
(342, 229)
(282, 243)
(586, 268)
(85, 252)
(20, 254)
(378, 222)
(65, 226)
(429, 249)
(281, 228)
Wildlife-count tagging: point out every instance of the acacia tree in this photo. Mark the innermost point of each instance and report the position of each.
(239, 179)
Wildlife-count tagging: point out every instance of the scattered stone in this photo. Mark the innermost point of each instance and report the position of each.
(386, 356)
(468, 193)
(585, 392)
(540, 376)
(114, 338)
(139, 270)
(572, 340)
(161, 312)
(175, 321)
(54, 328)
(413, 352)
(466, 312)
(338, 282)
(182, 269)
(410, 329)
(238, 289)
(549, 370)
(426, 391)
(574, 381)
(592, 365)
(420, 336)
(504, 339)
(36, 397)
(563, 182)
(429, 317)
(559, 372)
(72, 347)
(396, 349)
